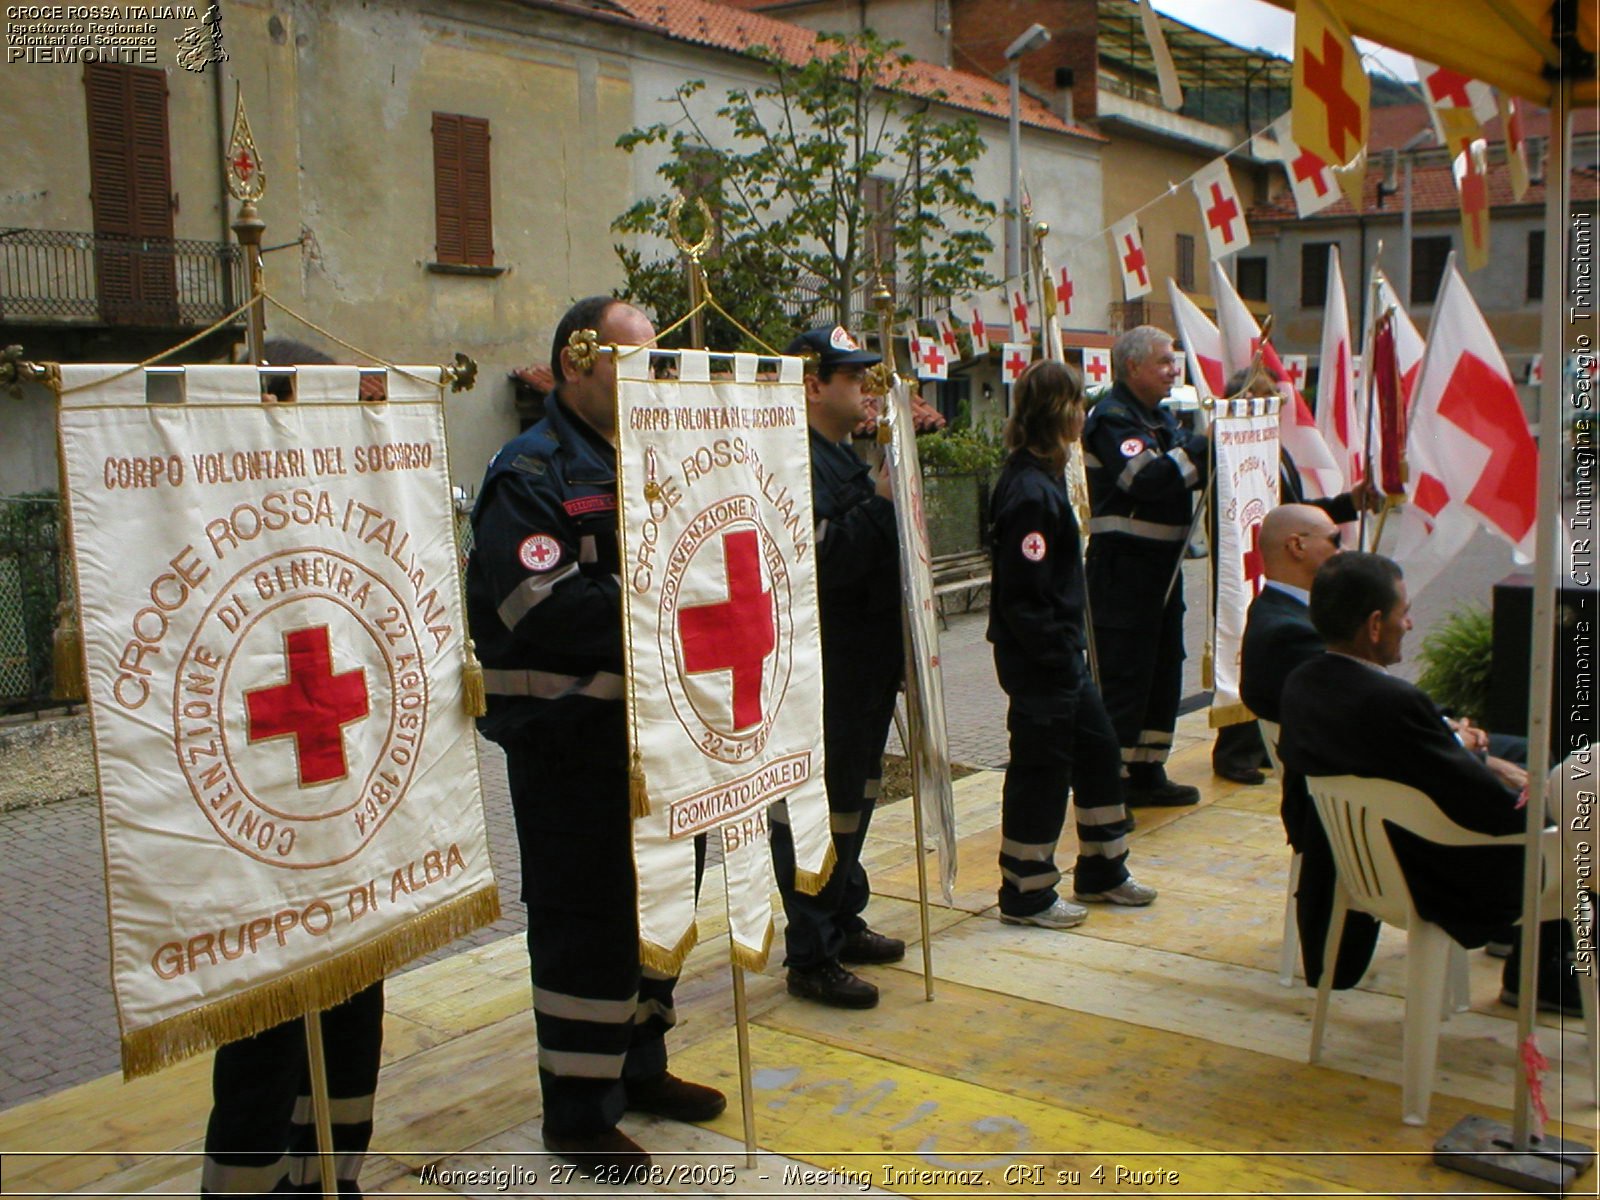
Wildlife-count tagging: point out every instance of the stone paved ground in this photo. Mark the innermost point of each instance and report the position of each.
(57, 1021)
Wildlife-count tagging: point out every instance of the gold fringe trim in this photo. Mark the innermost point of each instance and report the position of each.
(473, 697)
(1208, 672)
(66, 655)
(668, 962)
(1231, 714)
(638, 794)
(145, 1051)
(753, 960)
(812, 882)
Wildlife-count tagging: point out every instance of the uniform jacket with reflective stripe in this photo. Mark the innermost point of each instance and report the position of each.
(1036, 606)
(858, 563)
(548, 627)
(1142, 468)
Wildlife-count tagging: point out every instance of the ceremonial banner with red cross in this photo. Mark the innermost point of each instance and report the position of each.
(724, 664)
(1245, 434)
(274, 648)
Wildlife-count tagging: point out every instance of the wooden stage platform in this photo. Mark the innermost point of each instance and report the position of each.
(1148, 1051)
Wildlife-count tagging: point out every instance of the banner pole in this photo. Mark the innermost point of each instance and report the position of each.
(741, 1032)
(319, 1103)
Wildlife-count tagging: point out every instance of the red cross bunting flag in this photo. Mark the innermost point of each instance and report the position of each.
(1470, 166)
(1014, 360)
(1096, 367)
(1064, 291)
(1127, 245)
(977, 327)
(1245, 435)
(933, 358)
(1220, 210)
(724, 694)
(1516, 139)
(1471, 460)
(274, 648)
(926, 731)
(1444, 88)
(1331, 94)
(1310, 180)
(945, 324)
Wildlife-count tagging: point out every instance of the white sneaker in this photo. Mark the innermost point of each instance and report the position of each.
(1129, 892)
(1061, 915)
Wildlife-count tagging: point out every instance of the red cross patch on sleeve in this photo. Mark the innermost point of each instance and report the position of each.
(539, 552)
(1131, 447)
(1033, 547)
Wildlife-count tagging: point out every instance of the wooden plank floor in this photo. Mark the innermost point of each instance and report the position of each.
(1148, 1052)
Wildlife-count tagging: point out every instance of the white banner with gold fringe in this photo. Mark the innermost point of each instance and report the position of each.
(273, 644)
(724, 663)
(1245, 434)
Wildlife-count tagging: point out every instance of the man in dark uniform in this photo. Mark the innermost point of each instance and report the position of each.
(858, 599)
(545, 607)
(1142, 470)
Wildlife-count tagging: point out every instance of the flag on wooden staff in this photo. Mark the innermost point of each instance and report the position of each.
(723, 661)
(274, 646)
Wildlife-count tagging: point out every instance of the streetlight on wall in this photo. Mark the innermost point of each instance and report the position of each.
(1032, 38)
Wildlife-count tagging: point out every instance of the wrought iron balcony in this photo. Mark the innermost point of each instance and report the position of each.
(54, 277)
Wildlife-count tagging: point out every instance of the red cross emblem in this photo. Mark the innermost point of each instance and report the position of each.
(1064, 292)
(1474, 200)
(1325, 79)
(1309, 166)
(1095, 367)
(1016, 362)
(1253, 566)
(1020, 312)
(948, 333)
(1445, 84)
(1222, 213)
(312, 707)
(1133, 260)
(932, 359)
(1295, 370)
(979, 338)
(737, 634)
(1483, 404)
(539, 552)
(245, 165)
(1033, 547)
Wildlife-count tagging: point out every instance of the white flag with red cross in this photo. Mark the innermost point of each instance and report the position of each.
(1298, 433)
(1064, 291)
(1471, 459)
(1444, 87)
(1310, 179)
(945, 327)
(1202, 343)
(275, 649)
(932, 358)
(1021, 317)
(1341, 421)
(1127, 246)
(1096, 366)
(1220, 209)
(724, 671)
(1014, 360)
(977, 327)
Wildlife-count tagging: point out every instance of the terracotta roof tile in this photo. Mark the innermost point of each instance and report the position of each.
(1433, 189)
(924, 417)
(727, 28)
(1393, 125)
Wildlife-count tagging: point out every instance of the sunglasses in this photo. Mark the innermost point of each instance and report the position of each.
(1334, 537)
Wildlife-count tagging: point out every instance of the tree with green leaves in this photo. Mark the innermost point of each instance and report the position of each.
(814, 179)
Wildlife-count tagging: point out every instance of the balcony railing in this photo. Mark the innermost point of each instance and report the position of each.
(59, 277)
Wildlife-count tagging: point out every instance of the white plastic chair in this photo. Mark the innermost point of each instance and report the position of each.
(1289, 956)
(1353, 811)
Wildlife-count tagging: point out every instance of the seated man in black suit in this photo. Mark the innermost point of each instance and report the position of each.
(1344, 715)
(1296, 539)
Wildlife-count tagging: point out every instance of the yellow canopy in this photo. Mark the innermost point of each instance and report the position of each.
(1503, 42)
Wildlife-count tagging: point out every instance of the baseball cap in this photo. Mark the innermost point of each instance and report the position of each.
(833, 346)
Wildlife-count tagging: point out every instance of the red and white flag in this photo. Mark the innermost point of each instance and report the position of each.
(1064, 290)
(932, 359)
(1220, 209)
(1295, 367)
(1339, 419)
(1021, 325)
(1096, 367)
(1472, 460)
(1408, 342)
(1310, 179)
(1202, 344)
(1512, 130)
(1127, 244)
(1444, 88)
(1298, 428)
(1469, 164)
(1014, 360)
(1331, 97)
(947, 335)
(977, 328)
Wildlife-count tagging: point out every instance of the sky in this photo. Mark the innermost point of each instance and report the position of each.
(1254, 23)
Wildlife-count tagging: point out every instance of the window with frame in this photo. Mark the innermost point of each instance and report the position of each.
(1314, 274)
(1428, 257)
(1185, 253)
(1252, 281)
(1536, 265)
(464, 231)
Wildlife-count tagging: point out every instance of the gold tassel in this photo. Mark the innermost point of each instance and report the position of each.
(66, 655)
(473, 697)
(638, 795)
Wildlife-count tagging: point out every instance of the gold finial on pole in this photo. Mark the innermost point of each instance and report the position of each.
(692, 252)
(247, 182)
